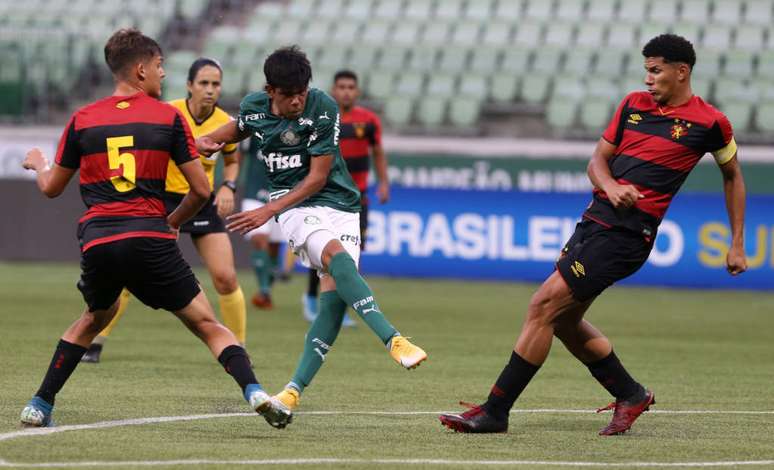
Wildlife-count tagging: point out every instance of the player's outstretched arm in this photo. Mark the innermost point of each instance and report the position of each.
(52, 181)
(196, 197)
(734, 189)
(600, 176)
(228, 133)
(319, 169)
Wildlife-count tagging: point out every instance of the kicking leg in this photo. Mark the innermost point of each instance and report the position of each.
(200, 319)
(95, 349)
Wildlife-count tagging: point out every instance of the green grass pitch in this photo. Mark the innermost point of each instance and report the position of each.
(699, 351)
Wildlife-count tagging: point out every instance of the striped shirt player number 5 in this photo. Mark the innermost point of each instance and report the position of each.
(123, 162)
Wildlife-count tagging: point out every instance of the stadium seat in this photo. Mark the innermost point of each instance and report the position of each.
(419, 10)
(380, 84)
(528, 34)
(441, 85)
(535, 88)
(397, 110)
(707, 64)
(267, 11)
(485, 60)
(633, 11)
(362, 57)
(361, 10)
(323, 78)
(765, 117)
(750, 37)
(765, 64)
(635, 64)
(579, 61)
(547, 59)
(191, 9)
(610, 63)
(233, 82)
(632, 83)
(701, 87)
(650, 30)
(590, 34)
(424, 58)
(515, 61)
(410, 84)
(690, 31)
(289, 32)
(604, 89)
(497, 33)
(449, 10)
(437, 32)
(758, 12)
(453, 59)
(406, 33)
(595, 114)
(393, 58)
(727, 12)
(560, 113)
(347, 33)
(568, 89)
(600, 10)
(740, 115)
(738, 64)
(559, 34)
(695, 11)
(621, 35)
(331, 58)
(376, 33)
(330, 9)
(389, 10)
(479, 10)
(474, 86)
(661, 11)
(504, 88)
(464, 112)
(716, 37)
(540, 10)
(431, 111)
(734, 90)
(466, 33)
(510, 10)
(568, 10)
(316, 32)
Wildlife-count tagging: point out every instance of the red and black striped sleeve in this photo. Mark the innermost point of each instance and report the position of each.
(376, 135)
(615, 129)
(68, 153)
(183, 145)
(720, 140)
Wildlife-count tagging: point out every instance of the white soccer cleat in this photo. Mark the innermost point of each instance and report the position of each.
(37, 414)
(273, 411)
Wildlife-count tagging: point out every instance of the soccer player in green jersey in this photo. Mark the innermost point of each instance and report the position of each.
(315, 202)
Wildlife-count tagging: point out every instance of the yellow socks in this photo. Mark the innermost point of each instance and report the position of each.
(234, 313)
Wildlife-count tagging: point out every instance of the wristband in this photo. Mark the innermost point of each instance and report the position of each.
(230, 185)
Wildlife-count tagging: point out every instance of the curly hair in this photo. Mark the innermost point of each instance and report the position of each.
(672, 48)
(128, 46)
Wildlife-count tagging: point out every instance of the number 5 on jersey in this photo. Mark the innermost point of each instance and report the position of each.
(123, 161)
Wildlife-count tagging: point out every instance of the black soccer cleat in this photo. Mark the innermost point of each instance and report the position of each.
(92, 354)
(625, 413)
(475, 420)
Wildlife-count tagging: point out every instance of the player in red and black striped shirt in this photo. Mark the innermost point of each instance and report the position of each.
(122, 145)
(360, 139)
(651, 145)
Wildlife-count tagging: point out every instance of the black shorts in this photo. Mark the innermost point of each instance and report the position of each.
(153, 269)
(595, 257)
(205, 221)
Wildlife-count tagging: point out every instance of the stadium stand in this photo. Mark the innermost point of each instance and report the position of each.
(565, 61)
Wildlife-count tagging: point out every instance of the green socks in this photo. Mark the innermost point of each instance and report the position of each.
(319, 339)
(353, 289)
(263, 266)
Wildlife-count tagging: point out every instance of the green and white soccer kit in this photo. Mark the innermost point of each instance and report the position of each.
(257, 192)
(288, 147)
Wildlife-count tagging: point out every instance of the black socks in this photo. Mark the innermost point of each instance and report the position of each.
(610, 373)
(66, 358)
(234, 359)
(512, 381)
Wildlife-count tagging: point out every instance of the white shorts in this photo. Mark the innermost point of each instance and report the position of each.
(270, 228)
(309, 229)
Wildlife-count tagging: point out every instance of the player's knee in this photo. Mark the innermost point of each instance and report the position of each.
(540, 309)
(225, 282)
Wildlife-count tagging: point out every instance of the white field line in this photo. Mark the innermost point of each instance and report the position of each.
(341, 461)
(169, 419)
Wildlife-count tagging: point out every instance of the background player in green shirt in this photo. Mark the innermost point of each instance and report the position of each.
(314, 200)
(266, 239)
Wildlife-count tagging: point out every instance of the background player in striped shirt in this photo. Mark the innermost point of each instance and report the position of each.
(361, 140)
(650, 146)
(206, 228)
(122, 146)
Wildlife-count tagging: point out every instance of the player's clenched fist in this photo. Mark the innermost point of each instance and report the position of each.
(35, 160)
(623, 195)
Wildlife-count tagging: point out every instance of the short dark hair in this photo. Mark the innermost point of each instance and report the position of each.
(288, 69)
(202, 62)
(345, 73)
(672, 48)
(128, 46)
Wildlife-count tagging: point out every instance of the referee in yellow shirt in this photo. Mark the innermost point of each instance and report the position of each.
(207, 229)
